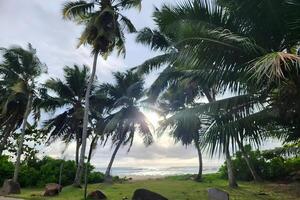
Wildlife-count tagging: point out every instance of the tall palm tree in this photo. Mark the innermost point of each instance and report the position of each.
(104, 26)
(187, 129)
(20, 69)
(69, 95)
(127, 118)
(170, 43)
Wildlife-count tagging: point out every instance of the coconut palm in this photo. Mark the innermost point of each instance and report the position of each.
(11, 116)
(69, 95)
(104, 26)
(169, 43)
(20, 70)
(127, 118)
(188, 129)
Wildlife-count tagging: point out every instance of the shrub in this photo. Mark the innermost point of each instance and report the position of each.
(268, 166)
(96, 177)
(35, 172)
(6, 168)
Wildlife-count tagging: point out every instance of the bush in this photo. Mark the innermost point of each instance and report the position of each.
(268, 166)
(50, 171)
(6, 169)
(35, 172)
(96, 177)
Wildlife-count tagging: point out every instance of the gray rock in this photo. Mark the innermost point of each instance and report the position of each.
(52, 189)
(216, 194)
(10, 187)
(143, 194)
(96, 195)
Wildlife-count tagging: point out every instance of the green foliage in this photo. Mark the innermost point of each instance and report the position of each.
(6, 168)
(96, 177)
(268, 166)
(35, 172)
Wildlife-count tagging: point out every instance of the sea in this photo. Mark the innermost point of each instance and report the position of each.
(152, 171)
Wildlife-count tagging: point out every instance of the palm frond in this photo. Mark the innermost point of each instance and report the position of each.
(154, 63)
(126, 4)
(127, 24)
(153, 38)
(274, 67)
(77, 10)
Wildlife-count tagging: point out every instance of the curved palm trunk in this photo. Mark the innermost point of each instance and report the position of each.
(21, 140)
(78, 176)
(199, 176)
(108, 169)
(255, 175)
(230, 170)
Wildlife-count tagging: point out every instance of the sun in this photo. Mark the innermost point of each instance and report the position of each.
(153, 117)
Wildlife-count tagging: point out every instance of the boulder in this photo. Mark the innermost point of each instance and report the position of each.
(10, 187)
(96, 195)
(216, 194)
(143, 194)
(52, 189)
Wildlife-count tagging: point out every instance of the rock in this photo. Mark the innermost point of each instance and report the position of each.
(10, 187)
(216, 194)
(143, 194)
(96, 195)
(52, 189)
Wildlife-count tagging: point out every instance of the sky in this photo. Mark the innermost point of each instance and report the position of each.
(40, 23)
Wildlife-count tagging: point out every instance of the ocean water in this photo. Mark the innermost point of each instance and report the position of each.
(151, 171)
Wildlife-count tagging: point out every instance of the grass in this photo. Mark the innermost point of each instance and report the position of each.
(178, 188)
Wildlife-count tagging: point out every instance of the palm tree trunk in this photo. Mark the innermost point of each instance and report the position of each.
(21, 139)
(87, 164)
(199, 176)
(230, 170)
(78, 176)
(108, 169)
(60, 173)
(255, 175)
(77, 151)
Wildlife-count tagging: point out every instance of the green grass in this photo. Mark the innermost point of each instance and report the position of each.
(179, 188)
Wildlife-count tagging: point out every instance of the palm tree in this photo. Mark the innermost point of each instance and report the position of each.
(188, 129)
(260, 64)
(127, 118)
(68, 94)
(20, 70)
(169, 43)
(225, 47)
(11, 116)
(104, 25)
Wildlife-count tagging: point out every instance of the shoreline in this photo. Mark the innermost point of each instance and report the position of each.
(144, 177)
